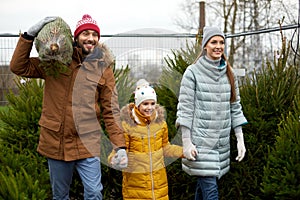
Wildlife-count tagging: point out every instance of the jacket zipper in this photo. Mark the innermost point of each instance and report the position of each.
(150, 159)
(143, 144)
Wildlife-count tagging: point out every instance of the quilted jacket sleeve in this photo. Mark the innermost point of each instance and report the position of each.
(170, 150)
(186, 100)
(237, 116)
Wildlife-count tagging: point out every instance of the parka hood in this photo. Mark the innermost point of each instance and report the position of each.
(101, 53)
(127, 116)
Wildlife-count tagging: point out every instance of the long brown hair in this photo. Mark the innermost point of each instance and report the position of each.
(229, 72)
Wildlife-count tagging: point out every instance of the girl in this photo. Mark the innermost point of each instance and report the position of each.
(147, 143)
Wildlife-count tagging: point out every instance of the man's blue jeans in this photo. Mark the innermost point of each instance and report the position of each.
(61, 173)
(207, 188)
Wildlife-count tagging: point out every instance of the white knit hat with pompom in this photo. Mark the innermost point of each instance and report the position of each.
(144, 92)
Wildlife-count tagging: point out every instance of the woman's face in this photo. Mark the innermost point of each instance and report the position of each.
(215, 47)
(147, 107)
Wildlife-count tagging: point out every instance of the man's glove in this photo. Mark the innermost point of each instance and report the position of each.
(35, 29)
(240, 143)
(189, 149)
(120, 160)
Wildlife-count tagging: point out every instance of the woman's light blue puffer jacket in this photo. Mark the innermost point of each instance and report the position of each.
(204, 107)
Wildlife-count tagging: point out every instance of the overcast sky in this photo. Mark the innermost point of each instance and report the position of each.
(112, 16)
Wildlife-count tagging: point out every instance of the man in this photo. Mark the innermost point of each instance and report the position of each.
(72, 105)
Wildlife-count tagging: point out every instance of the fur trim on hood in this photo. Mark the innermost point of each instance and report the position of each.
(126, 114)
(108, 57)
(101, 53)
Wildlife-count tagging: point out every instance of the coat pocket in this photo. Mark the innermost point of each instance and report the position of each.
(49, 124)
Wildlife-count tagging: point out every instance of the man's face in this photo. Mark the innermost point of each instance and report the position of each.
(87, 40)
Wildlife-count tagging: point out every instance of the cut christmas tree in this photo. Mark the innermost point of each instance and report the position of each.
(55, 47)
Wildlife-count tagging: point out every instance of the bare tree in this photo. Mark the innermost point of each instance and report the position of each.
(236, 16)
(187, 19)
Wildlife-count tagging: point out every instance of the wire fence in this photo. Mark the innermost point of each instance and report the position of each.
(145, 51)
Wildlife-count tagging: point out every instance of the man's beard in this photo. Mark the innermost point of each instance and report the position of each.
(86, 52)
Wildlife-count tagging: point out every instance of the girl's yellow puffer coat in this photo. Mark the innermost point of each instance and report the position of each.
(147, 145)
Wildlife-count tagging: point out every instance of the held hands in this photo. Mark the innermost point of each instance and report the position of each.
(189, 149)
(240, 144)
(35, 29)
(120, 160)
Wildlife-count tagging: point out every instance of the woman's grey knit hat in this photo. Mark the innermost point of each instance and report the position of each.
(209, 32)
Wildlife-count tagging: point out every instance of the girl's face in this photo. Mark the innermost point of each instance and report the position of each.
(215, 47)
(147, 107)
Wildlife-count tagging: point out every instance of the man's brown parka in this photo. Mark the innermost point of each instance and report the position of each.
(73, 103)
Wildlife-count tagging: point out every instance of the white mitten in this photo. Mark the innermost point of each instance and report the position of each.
(240, 143)
(120, 160)
(189, 149)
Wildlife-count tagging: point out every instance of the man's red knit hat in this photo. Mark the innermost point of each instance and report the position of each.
(87, 23)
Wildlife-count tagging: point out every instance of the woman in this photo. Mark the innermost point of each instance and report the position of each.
(209, 106)
(147, 143)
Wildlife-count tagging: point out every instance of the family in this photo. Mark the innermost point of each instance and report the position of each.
(75, 102)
